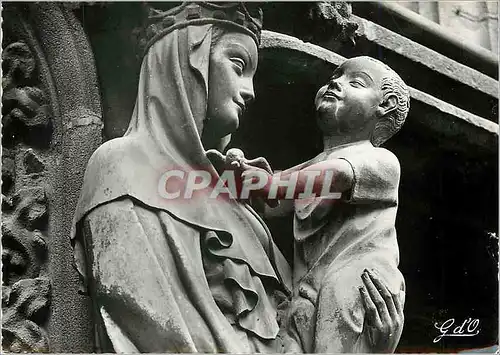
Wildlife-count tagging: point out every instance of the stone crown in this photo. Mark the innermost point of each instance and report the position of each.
(235, 14)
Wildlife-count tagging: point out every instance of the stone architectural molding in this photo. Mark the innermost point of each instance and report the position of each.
(438, 69)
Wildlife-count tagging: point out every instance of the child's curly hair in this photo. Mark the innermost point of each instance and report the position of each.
(387, 126)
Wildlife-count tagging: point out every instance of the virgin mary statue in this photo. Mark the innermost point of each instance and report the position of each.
(198, 275)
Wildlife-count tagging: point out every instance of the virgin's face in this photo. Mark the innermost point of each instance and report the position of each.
(233, 63)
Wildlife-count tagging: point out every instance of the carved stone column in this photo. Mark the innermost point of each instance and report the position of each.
(52, 123)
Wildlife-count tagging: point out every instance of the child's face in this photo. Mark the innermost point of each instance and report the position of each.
(350, 99)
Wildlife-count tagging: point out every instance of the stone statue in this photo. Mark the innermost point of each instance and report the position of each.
(362, 105)
(181, 275)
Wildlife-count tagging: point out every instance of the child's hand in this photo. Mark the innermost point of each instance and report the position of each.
(257, 172)
(253, 175)
(235, 160)
(384, 313)
(258, 163)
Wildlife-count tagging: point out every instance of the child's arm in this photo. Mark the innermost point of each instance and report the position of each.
(320, 179)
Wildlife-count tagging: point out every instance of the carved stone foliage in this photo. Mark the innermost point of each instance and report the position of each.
(25, 109)
(26, 119)
(26, 305)
(332, 19)
(317, 21)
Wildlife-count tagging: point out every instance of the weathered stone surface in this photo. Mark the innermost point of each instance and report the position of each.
(32, 207)
(431, 59)
(433, 35)
(76, 99)
(312, 21)
(448, 119)
(24, 252)
(279, 40)
(25, 112)
(19, 64)
(26, 117)
(24, 248)
(27, 304)
(8, 169)
(32, 162)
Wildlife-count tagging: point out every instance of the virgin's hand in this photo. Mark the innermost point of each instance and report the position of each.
(215, 155)
(234, 157)
(384, 313)
(217, 159)
(261, 163)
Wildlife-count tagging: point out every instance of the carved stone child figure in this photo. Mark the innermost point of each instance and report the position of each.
(362, 105)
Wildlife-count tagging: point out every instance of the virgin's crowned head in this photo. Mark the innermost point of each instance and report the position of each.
(199, 63)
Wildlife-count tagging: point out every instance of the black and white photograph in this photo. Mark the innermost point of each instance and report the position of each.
(250, 177)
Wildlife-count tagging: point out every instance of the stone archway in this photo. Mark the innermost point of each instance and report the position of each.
(51, 125)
